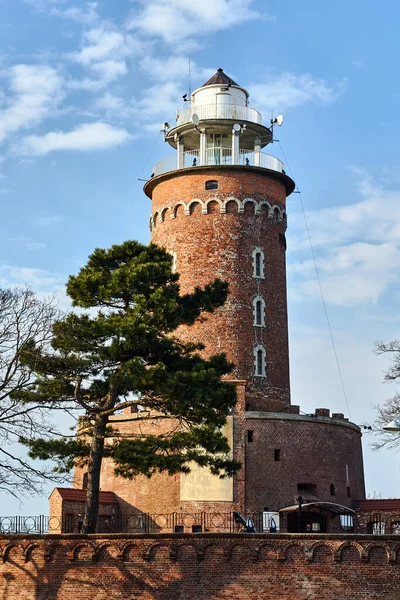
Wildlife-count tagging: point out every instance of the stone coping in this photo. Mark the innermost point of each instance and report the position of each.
(272, 416)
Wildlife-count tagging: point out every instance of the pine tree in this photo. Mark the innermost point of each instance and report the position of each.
(124, 353)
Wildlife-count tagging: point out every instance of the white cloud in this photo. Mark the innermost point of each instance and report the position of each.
(104, 53)
(39, 279)
(36, 91)
(98, 45)
(85, 16)
(175, 20)
(357, 248)
(286, 90)
(111, 103)
(90, 136)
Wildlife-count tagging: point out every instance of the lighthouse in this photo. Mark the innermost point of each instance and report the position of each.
(218, 206)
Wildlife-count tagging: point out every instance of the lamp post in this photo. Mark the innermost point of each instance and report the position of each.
(392, 426)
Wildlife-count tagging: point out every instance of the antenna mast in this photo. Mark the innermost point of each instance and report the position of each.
(190, 81)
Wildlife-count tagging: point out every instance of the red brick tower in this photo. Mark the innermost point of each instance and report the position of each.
(219, 207)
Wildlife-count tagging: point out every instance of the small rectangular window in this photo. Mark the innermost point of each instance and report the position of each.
(348, 492)
(277, 454)
(333, 489)
(250, 435)
(211, 185)
(179, 529)
(197, 529)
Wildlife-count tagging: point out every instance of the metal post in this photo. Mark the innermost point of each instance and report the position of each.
(180, 153)
(300, 501)
(203, 147)
(257, 151)
(235, 147)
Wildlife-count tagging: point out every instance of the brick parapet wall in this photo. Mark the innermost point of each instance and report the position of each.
(200, 567)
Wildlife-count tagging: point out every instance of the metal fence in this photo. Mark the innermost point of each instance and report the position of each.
(142, 523)
(204, 522)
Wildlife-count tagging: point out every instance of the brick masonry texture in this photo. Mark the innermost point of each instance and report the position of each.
(200, 567)
(221, 245)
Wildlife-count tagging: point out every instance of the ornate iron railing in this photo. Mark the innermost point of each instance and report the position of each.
(201, 522)
(218, 156)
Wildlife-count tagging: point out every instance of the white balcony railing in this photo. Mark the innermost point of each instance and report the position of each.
(220, 111)
(219, 156)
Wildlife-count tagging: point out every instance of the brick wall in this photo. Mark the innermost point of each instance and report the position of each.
(215, 236)
(200, 567)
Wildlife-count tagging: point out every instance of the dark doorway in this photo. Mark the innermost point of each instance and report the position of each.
(309, 523)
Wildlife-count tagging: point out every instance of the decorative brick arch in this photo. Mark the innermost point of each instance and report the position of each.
(7, 549)
(272, 546)
(230, 199)
(381, 545)
(163, 213)
(30, 548)
(231, 549)
(150, 551)
(104, 546)
(125, 549)
(192, 203)
(361, 552)
(318, 545)
(264, 203)
(73, 554)
(218, 201)
(284, 550)
(175, 208)
(178, 548)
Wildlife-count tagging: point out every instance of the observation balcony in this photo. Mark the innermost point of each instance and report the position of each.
(219, 156)
(231, 112)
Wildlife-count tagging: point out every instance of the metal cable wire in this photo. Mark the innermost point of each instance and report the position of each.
(320, 286)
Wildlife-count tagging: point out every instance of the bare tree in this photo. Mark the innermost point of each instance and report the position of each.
(25, 321)
(390, 410)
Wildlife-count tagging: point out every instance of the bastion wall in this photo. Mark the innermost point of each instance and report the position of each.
(200, 567)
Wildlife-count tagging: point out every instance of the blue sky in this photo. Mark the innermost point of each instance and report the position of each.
(84, 88)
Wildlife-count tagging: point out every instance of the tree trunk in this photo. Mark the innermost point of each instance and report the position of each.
(93, 482)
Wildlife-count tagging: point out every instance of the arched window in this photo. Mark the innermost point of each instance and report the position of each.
(259, 361)
(258, 263)
(259, 312)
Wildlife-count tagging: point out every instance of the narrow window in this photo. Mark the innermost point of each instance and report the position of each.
(250, 435)
(258, 312)
(277, 454)
(84, 481)
(333, 489)
(247, 406)
(258, 264)
(259, 362)
(211, 185)
(348, 492)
